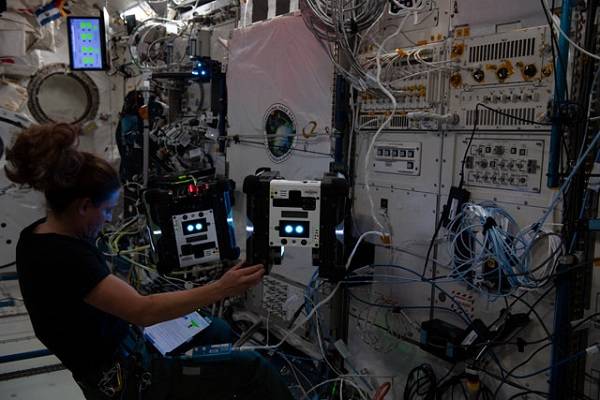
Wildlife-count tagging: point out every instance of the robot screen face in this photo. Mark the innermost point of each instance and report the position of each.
(299, 229)
(195, 226)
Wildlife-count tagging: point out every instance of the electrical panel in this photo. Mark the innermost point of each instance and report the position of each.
(510, 72)
(415, 87)
(510, 166)
(397, 158)
(505, 164)
(196, 238)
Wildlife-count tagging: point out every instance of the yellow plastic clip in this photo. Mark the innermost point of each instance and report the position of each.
(386, 240)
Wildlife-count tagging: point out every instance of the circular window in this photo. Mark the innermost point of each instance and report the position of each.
(280, 132)
(59, 95)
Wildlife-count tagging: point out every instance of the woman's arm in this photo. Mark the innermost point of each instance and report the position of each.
(114, 296)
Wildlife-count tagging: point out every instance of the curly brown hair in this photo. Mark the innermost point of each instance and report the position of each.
(46, 158)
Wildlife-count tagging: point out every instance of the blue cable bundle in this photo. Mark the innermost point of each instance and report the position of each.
(492, 254)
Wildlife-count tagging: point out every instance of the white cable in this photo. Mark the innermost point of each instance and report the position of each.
(556, 23)
(268, 315)
(360, 239)
(315, 308)
(383, 125)
(322, 348)
(298, 325)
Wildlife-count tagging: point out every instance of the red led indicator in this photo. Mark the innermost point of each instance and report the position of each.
(192, 188)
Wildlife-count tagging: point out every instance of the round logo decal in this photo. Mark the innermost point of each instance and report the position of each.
(280, 132)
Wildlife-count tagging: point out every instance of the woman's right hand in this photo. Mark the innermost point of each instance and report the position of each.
(239, 279)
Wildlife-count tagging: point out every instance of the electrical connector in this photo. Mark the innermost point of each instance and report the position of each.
(456, 199)
(386, 239)
(473, 383)
(450, 119)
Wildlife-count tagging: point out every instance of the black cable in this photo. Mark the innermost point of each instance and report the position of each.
(484, 393)
(504, 373)
(441, 381)
(551, 257)
(464, 317)
(10, 264)
(450, 385)
(464, 159)
(511, 116)
(531, 309)
(507, 382)
(420, 383)
(434, 266)
(526, 392)
(296, 315)
(441, 221)
(396, 307)
(502, 382)
(435, 233)
(15, 123)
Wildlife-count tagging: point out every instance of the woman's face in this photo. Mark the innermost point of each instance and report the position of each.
(96, 217)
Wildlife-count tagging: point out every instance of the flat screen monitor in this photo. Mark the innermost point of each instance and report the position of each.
(87, 43)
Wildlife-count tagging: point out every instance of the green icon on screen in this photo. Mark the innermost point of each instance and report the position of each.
(193, 324)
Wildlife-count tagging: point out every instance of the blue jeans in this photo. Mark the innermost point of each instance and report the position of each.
(244, 376)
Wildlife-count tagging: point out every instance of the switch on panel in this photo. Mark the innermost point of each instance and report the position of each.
(501, 164)
(398, 158)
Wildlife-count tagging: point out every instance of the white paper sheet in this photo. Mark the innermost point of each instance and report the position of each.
(169, 335)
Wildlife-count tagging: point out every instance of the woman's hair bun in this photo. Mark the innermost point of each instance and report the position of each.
(45, 157)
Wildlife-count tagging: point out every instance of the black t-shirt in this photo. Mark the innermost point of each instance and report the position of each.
(56, 272)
